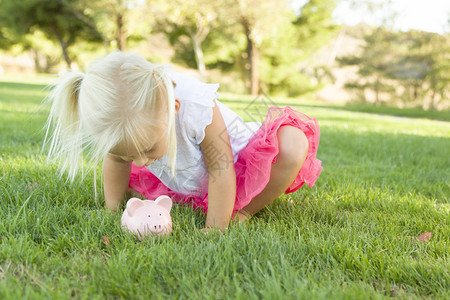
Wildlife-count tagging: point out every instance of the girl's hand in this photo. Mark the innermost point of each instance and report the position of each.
(218, 157)
(116, 175)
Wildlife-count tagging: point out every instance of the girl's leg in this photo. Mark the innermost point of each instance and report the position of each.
(293, 148)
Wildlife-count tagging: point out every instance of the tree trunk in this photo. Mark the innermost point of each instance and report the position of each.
(377, 92)
(433, 102)
(415, 91)
(434, 95)
(196, 44)
(254, 67)
(121, 36)
(253, 60)
(37, 64)
(64, 45)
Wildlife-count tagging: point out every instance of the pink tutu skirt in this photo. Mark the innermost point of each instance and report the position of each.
(253, 164)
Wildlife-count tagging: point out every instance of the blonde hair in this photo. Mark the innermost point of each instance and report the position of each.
(119, 96)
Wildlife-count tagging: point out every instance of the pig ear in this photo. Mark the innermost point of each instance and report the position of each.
(164, 201)
(133, 204)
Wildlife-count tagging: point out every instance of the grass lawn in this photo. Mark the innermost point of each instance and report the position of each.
(385, 181)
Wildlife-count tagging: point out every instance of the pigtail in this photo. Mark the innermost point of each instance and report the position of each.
(172, 139)
(94, 112)
(149, 82)
(63, 130)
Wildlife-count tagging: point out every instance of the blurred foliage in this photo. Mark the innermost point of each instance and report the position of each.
(58, 20)
(412, 68)
(262, 46)
(261, 43)
(120, 22)
(315, 25)
(187, 24)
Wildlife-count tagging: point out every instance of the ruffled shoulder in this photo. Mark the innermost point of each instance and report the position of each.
(197, 100)
(190, 89)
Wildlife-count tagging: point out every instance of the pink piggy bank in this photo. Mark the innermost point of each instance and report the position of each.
(148, 217)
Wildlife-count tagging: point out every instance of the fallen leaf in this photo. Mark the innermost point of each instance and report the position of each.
(32, 186)
(106, 240)
(424, 237)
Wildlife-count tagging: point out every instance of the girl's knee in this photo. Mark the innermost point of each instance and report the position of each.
(293, 146)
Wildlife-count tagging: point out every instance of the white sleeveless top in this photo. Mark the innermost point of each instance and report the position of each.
(195, 114)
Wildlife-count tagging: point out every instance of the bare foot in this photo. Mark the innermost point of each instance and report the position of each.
(242, 216)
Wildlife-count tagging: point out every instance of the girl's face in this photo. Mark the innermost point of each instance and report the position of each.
(155, 147)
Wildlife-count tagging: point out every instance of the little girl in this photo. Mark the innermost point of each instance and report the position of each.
(162, 132)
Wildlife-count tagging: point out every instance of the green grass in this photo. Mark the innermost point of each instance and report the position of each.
(385, 181)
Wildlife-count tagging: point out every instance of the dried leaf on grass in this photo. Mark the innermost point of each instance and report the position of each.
(106, 240)
(424, 237)
(32, 186)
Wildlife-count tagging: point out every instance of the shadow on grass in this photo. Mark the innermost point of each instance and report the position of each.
(398, 112)
(33, 93)
(22, 86)
(400, 163)
(415, 113)
(22, 93)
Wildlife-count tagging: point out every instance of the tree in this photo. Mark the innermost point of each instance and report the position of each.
(7, 38)
(373, 64)
(118, 21)
(256, 38)
(422, 66)
(260, 21)
(409, 66)
(314, 25)
(193, 19)
(56, 19)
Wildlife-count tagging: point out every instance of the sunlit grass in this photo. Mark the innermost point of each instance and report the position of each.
(385, 181)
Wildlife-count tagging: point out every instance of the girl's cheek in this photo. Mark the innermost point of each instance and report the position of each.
(161, 152)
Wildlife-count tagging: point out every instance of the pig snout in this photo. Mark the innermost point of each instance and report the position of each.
(159, 225)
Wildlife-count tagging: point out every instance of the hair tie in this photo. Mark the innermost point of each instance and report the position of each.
(160, 69)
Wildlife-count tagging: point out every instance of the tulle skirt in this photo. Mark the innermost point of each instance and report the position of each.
(253, 164)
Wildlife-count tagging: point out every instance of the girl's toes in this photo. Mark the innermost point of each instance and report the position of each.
(242, 216)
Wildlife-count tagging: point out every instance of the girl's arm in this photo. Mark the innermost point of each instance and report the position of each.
(218, 157)
(116, 176)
